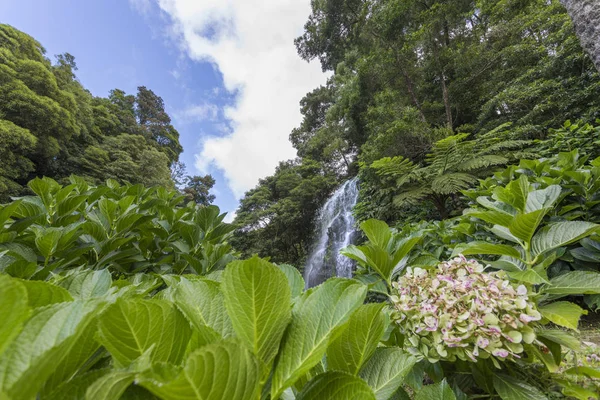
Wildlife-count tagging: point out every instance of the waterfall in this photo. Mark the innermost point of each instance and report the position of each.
(335, 230)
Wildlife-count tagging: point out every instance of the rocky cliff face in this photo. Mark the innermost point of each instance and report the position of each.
(586, 18)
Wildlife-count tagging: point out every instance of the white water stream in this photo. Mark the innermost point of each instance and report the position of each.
(335, 230)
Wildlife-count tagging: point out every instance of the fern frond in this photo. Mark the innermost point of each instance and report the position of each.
(482, 162)
(393, 167)
(412, 196)
(452, 183)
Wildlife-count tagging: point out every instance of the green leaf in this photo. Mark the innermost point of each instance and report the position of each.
(315, 319)
(515, 193)
(13, 309)
(359, 339)
(563, 313)
(294, 278)
(437, 391)
(80, 352)
(510, 388)
(47, 240)
(378, 232)
(87, 284)
(572, 390)
(41, 293)
(529, 276)
(575, 282)
(584, 371)
(543, 198)
(524, 226)
(336, 385)
(486, 248)
(218, 371)
(110, 386)
(44, 341)
(561, 234)
(203, 304)
(128, 328)
(258, 301)
(561, 337)
(75, 388)
(385, 371)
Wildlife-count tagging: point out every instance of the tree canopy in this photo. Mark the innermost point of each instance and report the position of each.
(50, 125)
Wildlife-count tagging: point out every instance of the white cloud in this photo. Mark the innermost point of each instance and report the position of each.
(230, 217)
(198, 112)
(141, 6)
(251, 43)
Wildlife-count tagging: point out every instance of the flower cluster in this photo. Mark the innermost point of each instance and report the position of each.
(459, 311)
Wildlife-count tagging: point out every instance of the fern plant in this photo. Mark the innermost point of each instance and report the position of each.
(454, 164)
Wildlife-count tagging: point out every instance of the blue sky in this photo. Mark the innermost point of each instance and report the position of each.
(226, 69)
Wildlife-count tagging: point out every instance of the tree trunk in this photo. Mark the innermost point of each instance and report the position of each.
(413, 96)
(446, 101)
(585, 15)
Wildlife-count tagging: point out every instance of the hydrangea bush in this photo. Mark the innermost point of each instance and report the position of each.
(459, 311)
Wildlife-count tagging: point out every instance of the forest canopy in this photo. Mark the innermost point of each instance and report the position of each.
(406, 74)
(50, 125)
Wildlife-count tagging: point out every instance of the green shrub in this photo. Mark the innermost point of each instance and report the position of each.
(128, 229)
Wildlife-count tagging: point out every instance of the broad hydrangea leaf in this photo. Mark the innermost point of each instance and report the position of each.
(563, 313)
(225, 370)
(315, 319)
(41, 293)
(46, 339)
(258, 301)
(437, 391)
(128, 328)
(336, 385)
(13, 309)
(385, 371)
(561, 234)
(359, 339)
(575, 282)
(295, 279)
(510, 388)
(203, 304)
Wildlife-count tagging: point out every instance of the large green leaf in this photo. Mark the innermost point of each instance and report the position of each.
(542, 198)
(45, 340)
(218, 371)
(349, 351)
(47, 240)
(378, 232)
(315, 319)
(561, 234)
(561, 337)
(385, 371)
(437, 391)
(258, 301)
(523, 226)
(575, 282)
(110, 386)
(529, 276)
(336, 385)
(203, 304)
(13, 310)
(75, 388)
(510, 388)
(128, 328)
(80, 352)
(87, 284)
(41, 293)
(295, 279)
(478, 247)
(563, 313)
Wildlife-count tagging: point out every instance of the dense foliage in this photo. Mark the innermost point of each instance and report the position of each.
(50, 125)
(407, 74)
(444, 109)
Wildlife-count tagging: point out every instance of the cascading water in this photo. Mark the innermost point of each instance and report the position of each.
(335, 230)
